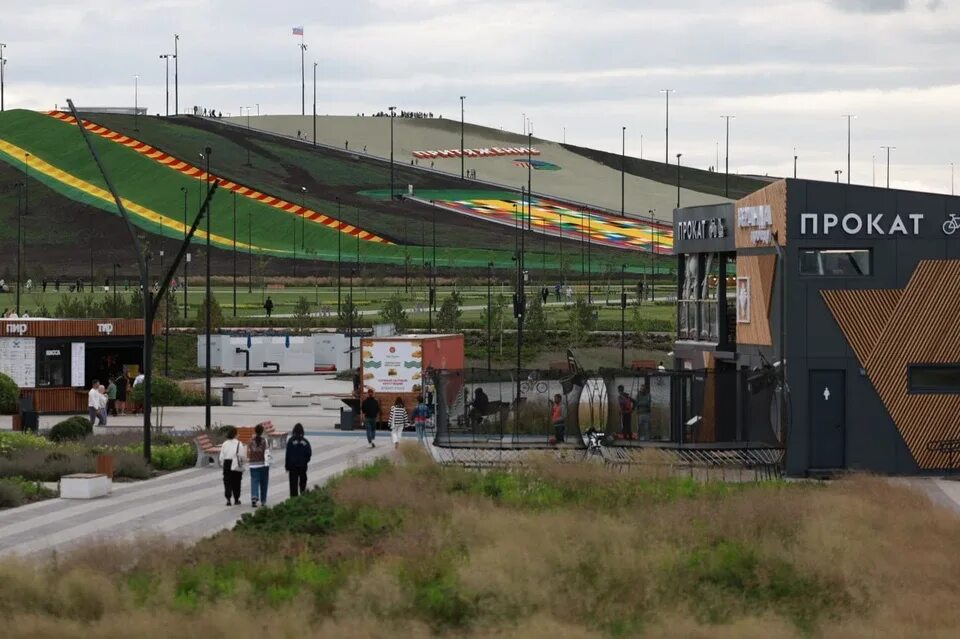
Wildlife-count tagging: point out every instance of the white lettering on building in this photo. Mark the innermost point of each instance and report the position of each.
(105, 328)
(713, 229)
(17, 329)
(855, 224)
(758, 218)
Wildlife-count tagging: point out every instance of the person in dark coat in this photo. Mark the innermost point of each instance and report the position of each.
(268, 306)
(371, 415)
(298, 457)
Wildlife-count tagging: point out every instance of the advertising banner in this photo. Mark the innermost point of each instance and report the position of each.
(392, 366)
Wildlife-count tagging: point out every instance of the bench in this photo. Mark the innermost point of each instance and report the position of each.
(207, 452)
(84, 486)
(246, 395)
(289, 401)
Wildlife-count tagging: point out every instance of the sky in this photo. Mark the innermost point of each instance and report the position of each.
(787, 70)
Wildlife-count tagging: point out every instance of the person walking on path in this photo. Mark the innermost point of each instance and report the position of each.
(112, 398)
(421, 414)
(122, 384)
(371, 415)
(232, 457)
(297, 460)
(104, 402)
(259, 457)
(398, 421)
(625, 402)
(93, 401)
(268, 306)
(558, 417)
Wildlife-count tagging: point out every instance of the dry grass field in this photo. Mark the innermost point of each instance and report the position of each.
(561, 551)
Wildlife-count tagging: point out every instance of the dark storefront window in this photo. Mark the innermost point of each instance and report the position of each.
(836, 262)
(53, 364)
(934, 378)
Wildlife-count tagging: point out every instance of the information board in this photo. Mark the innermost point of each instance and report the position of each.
(392, 366)
(78, 364)
(18, 359)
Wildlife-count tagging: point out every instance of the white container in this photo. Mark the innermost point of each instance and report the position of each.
(84, 486)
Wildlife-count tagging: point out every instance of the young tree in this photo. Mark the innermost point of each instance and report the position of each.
(535, 323)
(301, 313)
(216, 315)
(581, 320)
(449, 313)
(347, 310)
(393, 313)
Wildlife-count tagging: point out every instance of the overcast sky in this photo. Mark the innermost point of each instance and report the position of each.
(788, 70)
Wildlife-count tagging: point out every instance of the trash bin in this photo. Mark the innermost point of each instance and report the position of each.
(105, 465)
(346, 419)
(226, 398)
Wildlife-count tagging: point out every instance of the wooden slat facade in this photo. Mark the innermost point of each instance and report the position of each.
(760, 269)
(78, 328)
(775, 196)
(57, 400)
(892, 330)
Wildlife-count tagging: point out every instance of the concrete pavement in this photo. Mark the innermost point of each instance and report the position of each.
(185, 505)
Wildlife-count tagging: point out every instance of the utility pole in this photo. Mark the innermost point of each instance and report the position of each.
(726, 161)
(3, 63)
(209, 301)
(314, 104)
(303, 83)
(462, 172)
(136, 104)
(794, 163)
(888, 148)
(679, 155)
(392, 110)
(849, 117)
(166, 58)
(623, 314)
(666, 146)
(623, 168)
(176, 74)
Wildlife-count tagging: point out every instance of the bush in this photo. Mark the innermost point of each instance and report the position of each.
(9, 392)
(14, 491)
(11, 442)
(72, 429)
(130, 465)
(46, 465)
(11, 495)
(173, 456)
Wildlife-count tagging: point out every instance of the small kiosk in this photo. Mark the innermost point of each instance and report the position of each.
(53, 361)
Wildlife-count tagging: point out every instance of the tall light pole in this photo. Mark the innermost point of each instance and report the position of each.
(462, 170)
(19, 187)
(166, 58)
(679, 155)
(666, 147)
(623, 315)
(726, 160)
(849, 117)
(303, 219)
(837, 172)
(3, 63)
(176, 74)
(339, 259)
(249, 252)
(623, 168)
(248, 133)
(303, 81)
(951, 178)
(209, 300)
(234, 253)
(489, 320)
(186, 260)
(795, 163)
(392, 116)
(136, 103)
(888, 148)
(314, 104)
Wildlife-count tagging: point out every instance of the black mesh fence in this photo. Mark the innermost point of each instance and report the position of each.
(538, 408)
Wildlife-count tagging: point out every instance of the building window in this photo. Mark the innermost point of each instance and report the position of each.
(836, 262)
(53, 360)
(934, 378)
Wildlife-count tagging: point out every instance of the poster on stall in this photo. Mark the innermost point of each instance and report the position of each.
(392, 366)
(18, 359)
(78, 364)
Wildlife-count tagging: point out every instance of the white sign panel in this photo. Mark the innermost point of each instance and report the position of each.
(392, 367)
(78, 364)
(743, 300)
(18, 359)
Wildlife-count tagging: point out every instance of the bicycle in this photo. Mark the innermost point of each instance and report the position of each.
(952, 224)
(529, 386)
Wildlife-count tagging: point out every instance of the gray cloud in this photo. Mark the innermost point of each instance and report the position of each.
(871, 6)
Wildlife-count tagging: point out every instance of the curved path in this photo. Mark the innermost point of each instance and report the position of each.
(185, 505)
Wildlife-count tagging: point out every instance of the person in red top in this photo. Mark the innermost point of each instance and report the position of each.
(558, 417)
(625, 403)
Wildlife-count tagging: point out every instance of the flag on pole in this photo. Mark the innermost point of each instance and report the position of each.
(298, 31)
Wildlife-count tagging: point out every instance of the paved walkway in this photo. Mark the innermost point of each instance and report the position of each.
(186, 505)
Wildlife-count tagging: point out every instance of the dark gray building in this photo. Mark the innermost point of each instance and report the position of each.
(868, 281)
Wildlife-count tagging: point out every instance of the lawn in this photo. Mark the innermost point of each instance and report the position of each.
(562, 550)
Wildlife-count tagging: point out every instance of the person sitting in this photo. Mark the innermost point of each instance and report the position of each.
(479, 406)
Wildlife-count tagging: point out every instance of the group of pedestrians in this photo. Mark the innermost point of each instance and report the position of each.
(397, 418)
(236, 458)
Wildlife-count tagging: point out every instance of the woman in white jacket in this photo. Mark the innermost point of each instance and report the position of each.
(232, 457)
(398, 421)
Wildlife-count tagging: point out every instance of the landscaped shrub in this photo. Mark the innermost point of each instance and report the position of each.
(15, 491)
(130, 465)
(173, 456)
(11, 442)
(11, 495)
(46, 465)
(73, 429)
(9, 392)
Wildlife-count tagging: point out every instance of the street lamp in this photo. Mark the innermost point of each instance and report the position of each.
(462, 98)
(623, 168)
(849, 117)
(350, 320)
(166, 57)
(837, 172)
(888, 148)
(666, 149)
(136, 103)
(234, 254)
(314, 104)
(489, 320)
(726, 161)
(19, 187)
(339, 236)
(623, 314)
(392, 115)
(248, 133)
(209, 295)
(303, 218)
(656, 252)
(795, 163)
(186, 261)
(679, 155)
(176, 74)
(3, 63)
